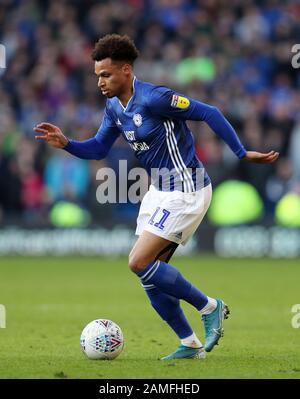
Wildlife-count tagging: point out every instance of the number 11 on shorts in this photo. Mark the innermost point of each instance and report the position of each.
(160, 223)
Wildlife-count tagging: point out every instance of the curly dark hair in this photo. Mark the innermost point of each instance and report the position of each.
(116, 47)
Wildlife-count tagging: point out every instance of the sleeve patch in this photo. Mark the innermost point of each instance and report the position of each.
(179, 102)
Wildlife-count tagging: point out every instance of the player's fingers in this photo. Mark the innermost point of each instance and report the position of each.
(267, 155)
(40, 137)
(271, 158)
(50, 134)
(46, 125)
(275, 154)
(40, 130)
(274, 157)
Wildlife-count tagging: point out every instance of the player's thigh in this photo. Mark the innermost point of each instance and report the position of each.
(145, 250)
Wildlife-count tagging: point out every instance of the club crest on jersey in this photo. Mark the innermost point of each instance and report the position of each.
(137, 119)
(179, 102)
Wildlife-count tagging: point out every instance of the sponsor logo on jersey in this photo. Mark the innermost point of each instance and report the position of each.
(179, 102)
(139, 146)
(119, 122)
(137, 119)
(129, 135)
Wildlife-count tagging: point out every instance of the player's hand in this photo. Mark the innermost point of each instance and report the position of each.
(51, 134)
(258, 157)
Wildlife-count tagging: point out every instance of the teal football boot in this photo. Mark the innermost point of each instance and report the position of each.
(213, 325)
(185, 352)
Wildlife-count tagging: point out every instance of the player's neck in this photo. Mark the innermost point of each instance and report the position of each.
(126, 95)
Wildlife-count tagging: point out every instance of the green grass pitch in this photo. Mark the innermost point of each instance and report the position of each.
(49, 301)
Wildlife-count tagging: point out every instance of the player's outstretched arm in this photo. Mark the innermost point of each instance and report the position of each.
(94, 148)
(51, 134)
(258, 157)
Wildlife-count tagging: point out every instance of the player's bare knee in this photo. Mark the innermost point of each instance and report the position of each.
(136, 263)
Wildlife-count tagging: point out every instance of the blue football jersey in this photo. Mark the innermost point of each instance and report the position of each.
(154, 125)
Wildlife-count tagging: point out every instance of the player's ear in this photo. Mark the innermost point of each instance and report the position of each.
(127, 68)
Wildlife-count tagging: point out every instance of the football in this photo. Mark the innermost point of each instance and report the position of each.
(102, 339)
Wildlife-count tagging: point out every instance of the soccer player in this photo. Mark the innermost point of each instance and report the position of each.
(152, 119)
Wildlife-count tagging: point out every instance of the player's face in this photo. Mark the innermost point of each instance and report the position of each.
(112, 77)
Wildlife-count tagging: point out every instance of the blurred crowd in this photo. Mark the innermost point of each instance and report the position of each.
(236, 57)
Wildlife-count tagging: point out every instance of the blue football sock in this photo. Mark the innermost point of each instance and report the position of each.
(169, 309)
(170, 281)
